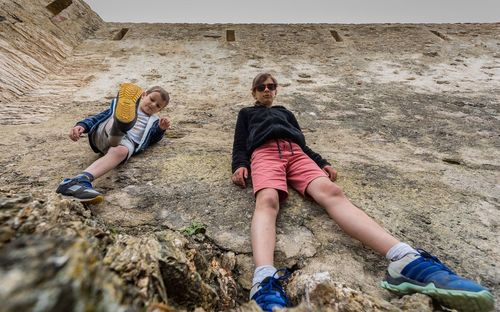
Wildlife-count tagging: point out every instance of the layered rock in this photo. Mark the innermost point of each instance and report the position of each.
(35, 39)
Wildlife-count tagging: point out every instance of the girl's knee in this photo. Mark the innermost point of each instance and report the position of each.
(266, 199)
(331, 190)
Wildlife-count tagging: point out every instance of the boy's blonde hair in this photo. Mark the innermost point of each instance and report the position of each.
(163, 93)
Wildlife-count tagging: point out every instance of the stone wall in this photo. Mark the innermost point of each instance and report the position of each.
(35, 36)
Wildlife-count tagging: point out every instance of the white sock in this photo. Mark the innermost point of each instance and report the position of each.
(400, 250)
(396, 267)
(259, 275)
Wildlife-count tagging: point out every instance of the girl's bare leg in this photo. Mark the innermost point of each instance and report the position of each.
(352, 220)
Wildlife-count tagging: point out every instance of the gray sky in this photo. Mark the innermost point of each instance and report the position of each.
(289, 11)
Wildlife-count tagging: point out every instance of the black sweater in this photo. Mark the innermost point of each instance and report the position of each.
(258, 124)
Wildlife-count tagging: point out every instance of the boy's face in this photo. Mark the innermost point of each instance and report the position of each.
(152, 103)
(266, 96)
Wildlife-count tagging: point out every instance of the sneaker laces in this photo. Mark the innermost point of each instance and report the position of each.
(435, 261)
(286, 274)
(84, 182)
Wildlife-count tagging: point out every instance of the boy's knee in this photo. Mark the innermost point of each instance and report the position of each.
(119, 151)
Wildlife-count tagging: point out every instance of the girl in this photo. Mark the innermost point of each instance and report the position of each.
(269, 143)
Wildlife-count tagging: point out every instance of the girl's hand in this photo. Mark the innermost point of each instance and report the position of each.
(332, 173)
(76, 132)
(239, 177)
(164, 123)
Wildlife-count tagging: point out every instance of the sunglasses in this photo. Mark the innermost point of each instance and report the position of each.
(270, 87)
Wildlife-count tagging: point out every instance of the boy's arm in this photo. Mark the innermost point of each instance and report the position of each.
(240, 156)
(320, 161)
(76, 132)
(89, 122)
(156, 133)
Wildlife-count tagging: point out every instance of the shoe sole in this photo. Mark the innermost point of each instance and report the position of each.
(455, 299)
(127, 99)
(92, 201)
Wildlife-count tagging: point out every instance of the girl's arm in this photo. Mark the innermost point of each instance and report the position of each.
(320, 161)
(240, 156)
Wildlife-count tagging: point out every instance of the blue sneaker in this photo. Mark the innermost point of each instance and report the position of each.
(271, 293)
(425, 274)
(80, 189)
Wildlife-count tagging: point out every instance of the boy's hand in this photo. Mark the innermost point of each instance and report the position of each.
(239, 177)
(76, 132)
(332, 173)
(164, 123)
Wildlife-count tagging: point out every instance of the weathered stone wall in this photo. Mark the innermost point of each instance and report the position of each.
(408, 114)
(35, 37)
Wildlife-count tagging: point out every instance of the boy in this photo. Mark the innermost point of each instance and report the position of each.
(269, 142)
(127, 128)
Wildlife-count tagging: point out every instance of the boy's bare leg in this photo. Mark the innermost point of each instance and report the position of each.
(110, 160)
(263, 229)
(352, 220)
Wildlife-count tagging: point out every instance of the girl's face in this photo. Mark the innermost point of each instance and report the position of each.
(152, 103)
(265, 92)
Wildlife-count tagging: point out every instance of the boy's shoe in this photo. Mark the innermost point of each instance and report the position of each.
(425, 274)
(271, 293)
(125, 113)
(80, 189)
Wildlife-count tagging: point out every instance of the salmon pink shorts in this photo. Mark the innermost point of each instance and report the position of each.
(277, 162)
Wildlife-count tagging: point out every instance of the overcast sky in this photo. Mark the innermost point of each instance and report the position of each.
(304, 11)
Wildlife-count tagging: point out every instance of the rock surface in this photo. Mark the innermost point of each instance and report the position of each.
(408, 114)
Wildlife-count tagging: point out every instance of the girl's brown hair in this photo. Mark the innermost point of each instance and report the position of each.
(260, 78)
